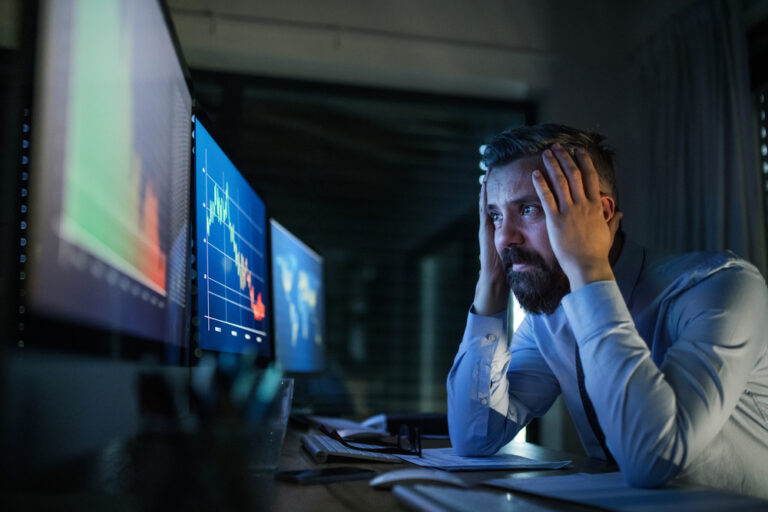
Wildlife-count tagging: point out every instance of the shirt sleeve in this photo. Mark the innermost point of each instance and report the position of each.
(485, 411)
(658, 418)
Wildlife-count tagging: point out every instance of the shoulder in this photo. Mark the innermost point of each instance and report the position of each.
(716, 291)
(679, 273)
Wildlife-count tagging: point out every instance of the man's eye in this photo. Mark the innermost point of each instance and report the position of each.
(529, 210)
(495, 216)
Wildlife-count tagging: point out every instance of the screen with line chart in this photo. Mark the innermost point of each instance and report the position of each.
(110, 162)
(233, 288)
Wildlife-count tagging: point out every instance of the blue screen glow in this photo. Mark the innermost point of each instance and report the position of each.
(298, 293)
(231, 255)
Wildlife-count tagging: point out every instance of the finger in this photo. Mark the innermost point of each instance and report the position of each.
(571, 171)
(590, 176)
(483, 198)
(558, 183)
(546, 197)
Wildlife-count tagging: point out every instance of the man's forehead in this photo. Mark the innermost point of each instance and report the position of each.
(511, 177)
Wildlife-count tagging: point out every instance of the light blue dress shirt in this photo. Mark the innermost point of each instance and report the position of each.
(675, 357)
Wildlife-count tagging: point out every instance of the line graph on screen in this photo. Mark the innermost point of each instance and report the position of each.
(234, 258)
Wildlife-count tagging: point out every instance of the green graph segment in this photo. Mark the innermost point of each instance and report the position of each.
(102, 196)
(219, 209)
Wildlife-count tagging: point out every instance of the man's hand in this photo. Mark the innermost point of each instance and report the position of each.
(581, 222)
(492, 291)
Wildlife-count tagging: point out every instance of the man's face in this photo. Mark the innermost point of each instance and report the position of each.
(521, 239)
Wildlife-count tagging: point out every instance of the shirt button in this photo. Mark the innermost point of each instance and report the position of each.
(484, 401)
(491, 337)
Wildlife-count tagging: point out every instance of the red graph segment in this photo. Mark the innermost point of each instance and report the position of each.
(152, 260)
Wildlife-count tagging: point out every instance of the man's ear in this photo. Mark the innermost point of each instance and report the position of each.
(609, 207)
(611, 215)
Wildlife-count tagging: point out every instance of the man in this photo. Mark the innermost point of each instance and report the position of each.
(662, 359)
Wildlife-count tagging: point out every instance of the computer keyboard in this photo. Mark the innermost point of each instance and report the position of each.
(320, 446)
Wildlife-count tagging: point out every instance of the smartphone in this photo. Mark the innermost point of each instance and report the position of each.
(325, 475)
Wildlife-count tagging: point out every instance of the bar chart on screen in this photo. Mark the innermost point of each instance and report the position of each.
(231, 230)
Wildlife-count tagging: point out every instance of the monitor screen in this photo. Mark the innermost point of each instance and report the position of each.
(110, 172)
(298, 295)
(231, 232)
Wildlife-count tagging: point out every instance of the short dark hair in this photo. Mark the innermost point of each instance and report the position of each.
(524, 141)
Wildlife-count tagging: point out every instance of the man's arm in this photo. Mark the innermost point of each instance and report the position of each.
(481, 415)
(492, 290)
(494, 391)
(657, 419)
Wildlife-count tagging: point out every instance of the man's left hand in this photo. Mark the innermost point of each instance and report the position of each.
(581, 222)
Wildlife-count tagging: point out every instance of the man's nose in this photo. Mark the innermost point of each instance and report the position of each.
(510, 234)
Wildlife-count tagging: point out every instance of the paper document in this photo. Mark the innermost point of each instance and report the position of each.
(610, 491)
(349, 430)
(446, 458)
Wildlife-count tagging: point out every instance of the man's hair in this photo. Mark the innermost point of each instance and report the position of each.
(524, 141)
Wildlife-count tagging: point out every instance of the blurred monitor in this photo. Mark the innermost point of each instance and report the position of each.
(109, 177)
(233, 294)
(298, 295)
(105, 229)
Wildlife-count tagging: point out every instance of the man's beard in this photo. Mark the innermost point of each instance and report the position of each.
(538, 289)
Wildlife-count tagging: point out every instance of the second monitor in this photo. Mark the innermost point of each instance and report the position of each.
(233, 301)
(299, 301)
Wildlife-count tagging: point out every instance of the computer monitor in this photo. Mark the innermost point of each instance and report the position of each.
(299, 298)
(104, 241)
(233, 294)
(110, 172)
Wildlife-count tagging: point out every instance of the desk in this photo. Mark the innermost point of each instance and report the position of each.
(187, 472)
(359, 496)
(180, 472)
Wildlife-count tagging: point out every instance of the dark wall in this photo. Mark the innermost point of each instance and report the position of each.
(376, 181)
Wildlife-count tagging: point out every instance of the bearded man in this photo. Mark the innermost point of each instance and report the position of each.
(662, 360)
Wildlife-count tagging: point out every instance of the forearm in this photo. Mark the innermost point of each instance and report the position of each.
(493, 390)
(657, 419)
(475, 382)
(491, 295)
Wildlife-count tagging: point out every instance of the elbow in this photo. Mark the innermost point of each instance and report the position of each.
(467, 446)
(643, 479)
(648, 472)
(466, 442)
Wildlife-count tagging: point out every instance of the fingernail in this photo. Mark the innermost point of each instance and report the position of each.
(536, 173)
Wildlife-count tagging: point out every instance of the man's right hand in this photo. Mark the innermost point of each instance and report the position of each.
(492, 291)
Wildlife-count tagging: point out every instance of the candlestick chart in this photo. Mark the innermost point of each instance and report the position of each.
(232, 265)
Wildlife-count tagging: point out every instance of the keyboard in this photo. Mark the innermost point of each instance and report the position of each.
(321, 447)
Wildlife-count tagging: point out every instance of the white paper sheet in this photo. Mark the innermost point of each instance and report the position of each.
(446, 458)
(610, 491)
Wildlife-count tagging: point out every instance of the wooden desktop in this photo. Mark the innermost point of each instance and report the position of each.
(359, 496)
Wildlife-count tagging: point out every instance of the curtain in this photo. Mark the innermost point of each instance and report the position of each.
(697, 158)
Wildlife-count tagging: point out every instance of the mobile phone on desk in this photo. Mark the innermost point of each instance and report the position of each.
(325, 475)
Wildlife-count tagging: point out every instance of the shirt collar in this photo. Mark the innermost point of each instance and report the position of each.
(628, 267)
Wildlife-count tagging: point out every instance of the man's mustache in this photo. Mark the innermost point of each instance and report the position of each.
(514, 255)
